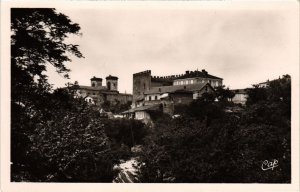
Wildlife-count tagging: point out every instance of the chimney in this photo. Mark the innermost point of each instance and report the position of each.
(205, 72)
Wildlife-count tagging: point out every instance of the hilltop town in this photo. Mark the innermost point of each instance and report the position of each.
(180, 128)
(156, 93)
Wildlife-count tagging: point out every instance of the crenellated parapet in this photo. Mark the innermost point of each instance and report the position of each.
(166, 78)
(147, 72)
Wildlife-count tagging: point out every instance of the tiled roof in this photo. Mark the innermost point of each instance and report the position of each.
(112, 77)
(92, 88)
(202, 74)
(143, 108)
(140, 98)
(241, 91)
(176, 88)
(96, 78)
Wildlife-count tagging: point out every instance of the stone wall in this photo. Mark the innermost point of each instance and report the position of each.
(141, 83)
(122, 98)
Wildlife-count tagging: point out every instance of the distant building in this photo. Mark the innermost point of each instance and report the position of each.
(240, 96)
(267, 83)
(152, 93)
(97, 93)
(144, 82)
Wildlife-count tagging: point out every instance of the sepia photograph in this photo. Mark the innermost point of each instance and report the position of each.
(205, 94)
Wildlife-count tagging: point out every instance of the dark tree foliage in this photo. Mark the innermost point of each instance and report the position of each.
(38, 38)
(54, 137)
(116, 106)
(125, 131)
(208, 145)
(224, 94)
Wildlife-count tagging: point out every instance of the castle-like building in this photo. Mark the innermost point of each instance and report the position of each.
(153, 92)
(97, 93)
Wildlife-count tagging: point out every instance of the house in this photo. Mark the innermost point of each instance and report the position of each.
(164, 93)
(144, 82)
(97, 94)
(240, 96)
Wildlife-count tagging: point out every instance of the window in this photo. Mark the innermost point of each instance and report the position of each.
(93, 84)
(186, 82)
(217, 83)
(94, 93)
(209, 81)
(181, 82)
(144, 86)
(155, 98)
(149, 98)
(192, 81)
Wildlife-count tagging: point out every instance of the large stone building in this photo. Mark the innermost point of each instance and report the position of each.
(144, 83)
(98, 94)
(153, 92)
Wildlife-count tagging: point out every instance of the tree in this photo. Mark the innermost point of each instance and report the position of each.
(224, 95)
(230, 148)
(38, 39)
(48, 140)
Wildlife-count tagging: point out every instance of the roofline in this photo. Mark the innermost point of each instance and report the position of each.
(204, 84)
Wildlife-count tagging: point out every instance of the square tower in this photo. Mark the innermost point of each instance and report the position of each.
(112, 83)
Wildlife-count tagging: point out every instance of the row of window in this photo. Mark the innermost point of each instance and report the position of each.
(185, 82)
(150, 98)
(192, 81)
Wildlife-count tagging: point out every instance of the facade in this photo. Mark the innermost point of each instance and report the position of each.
(240, 96)
(164, 93)
(143, 82)
(97, 93)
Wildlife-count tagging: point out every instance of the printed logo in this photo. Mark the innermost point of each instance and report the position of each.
(266, 165)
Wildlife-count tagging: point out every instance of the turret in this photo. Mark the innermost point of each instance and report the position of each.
(96, 82)
(112, 83)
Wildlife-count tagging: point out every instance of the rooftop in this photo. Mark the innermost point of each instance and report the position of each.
(143, 108)
(92, 88)
(202, 74)
(176, 88)
(96, 78)
(112, 77)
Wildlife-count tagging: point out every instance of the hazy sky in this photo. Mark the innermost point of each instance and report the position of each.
(243, 45)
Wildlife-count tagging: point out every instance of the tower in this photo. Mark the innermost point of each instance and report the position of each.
(96, 82)
(141, 83)
(112, 83)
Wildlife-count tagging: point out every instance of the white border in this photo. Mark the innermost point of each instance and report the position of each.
(6, 185)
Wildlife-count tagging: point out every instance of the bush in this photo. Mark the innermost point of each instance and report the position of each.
(207, 145)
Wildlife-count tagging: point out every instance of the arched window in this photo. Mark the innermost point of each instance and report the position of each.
(108, 86)
(93, 84)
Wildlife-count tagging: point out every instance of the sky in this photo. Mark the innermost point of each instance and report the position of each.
(244, 45)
